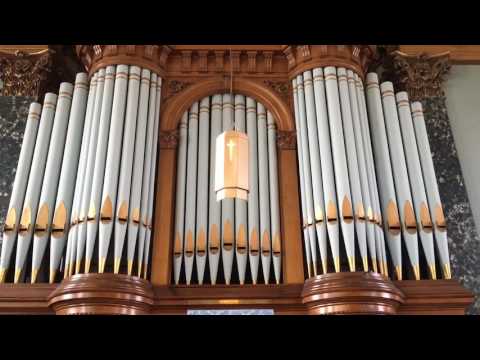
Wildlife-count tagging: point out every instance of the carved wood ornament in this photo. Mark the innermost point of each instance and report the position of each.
(422, 75)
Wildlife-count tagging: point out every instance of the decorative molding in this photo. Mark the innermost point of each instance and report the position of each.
(280, 87)
(176, 86)
(286, 140)
(152, 57)
(306, 57)
(25, 74)
(168, 139)
(459, 54)
(421, 75)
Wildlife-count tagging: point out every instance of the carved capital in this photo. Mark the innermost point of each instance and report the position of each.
(168, 139)
(286, 140)
(421, 75)
(306, 57)
(25, 74)
(152, 57)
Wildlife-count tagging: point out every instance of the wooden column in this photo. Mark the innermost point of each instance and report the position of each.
(292, 257)
(162, 247)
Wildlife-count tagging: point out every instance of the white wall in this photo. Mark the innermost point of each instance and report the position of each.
(463, 103)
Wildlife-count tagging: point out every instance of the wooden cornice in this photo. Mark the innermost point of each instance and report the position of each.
(459, 54)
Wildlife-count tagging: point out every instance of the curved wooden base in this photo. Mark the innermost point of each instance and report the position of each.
(102, 294)
(351, 293)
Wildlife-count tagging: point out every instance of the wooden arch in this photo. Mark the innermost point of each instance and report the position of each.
(174, 107)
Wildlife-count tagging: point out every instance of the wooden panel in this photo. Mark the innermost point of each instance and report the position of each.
(459, 54)
(292, 257)
(162, 249)
(25, 48)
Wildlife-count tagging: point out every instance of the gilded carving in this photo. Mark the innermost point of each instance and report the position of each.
(22, 74)
(422, 75)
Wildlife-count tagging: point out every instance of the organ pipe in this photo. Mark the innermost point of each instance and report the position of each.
(151, 186)
(134, 218)
(340, 165)
(308, 113)
(44, 217)
(202, 188)
(422, 212)
(383, 166)
(147, 173)
(63, 206)
(274, 197)
(19, 187)
(353, 168)
(241, 248)
(35, 180)
(180, 197)
(433, 195)
(362, 172)
(264, 192)
(253, 204)
(78, 190)
(86, 213)
(402, 186)
(228, 204)
(121, 117)
(215, 208)
(191, 192)
(329, 191)
(307, 178)
(302, 182)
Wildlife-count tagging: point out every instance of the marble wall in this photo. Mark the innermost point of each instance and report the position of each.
(13, 116)
(464, 242)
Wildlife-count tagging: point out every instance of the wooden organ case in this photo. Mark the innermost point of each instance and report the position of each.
(338, 245)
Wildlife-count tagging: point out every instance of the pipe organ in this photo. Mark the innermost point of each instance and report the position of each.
(365, 172)
(232, 233)
(308, 187)
(86, 172)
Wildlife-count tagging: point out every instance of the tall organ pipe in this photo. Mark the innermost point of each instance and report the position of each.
(63, 206)
(147, 173)
(372, 178)
(151, 186)
(253, 204)
(215, 208)
(89, 174)
(402, 186)
(340, 164)
(135, 119)
(305, 226)
(180, 197)
(120, 118)
(126, 169)
(228, 205)
(135, 230)
(35, 181)
(353, 168)
(329, 191)
(433, 195)
(50, 184)
(307, 177)
(78, 190)
(420, 202)
(274, 197)
(95, 194)
(191, 192)
(363, 176)
(134, 218)
(19, 187)
(383, 166)
(241, 249)
(307, 114)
